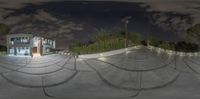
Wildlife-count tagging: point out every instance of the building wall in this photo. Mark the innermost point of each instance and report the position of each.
(37, 45)
(19, 44)
(48, 45)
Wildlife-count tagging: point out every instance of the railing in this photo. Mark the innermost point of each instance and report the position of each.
(171, 52)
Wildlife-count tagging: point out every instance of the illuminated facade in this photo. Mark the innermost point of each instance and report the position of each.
(28, 45)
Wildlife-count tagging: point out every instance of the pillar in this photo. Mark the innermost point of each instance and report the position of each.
(15, 51)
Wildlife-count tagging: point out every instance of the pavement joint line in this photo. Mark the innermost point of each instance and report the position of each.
(67, 60)
(12, 70)
(49, 65)
(63, 82)
(191, 68)
(63, 66)
(188, 72)
(117, 97)
(194, 62)
(40, 73)
(128, 88)
(107, 82)
(39, 86)
(44, 90)
(136, 70)
(46, 60)
(18, 70)
(13, 60)
(77, 70)
(7, 63)
(49, 60)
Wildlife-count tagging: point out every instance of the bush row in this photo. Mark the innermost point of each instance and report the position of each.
(177, 46)
(104, 41)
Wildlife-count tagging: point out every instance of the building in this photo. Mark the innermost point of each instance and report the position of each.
(28, 45)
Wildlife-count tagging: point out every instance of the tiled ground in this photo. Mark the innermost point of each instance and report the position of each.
(139, 74)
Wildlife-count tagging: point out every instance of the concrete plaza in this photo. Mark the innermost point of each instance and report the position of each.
(136, 74)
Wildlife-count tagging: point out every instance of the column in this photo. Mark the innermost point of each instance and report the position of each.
(31, 53)
(15, 51)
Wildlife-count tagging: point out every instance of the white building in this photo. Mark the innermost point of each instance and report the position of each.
(27, 44)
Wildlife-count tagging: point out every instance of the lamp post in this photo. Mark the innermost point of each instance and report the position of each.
(148, 31)
(126, 21)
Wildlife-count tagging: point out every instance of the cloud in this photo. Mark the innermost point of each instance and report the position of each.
(17, 4)
(173, 15)
(44, 16)
(42, 23)
(179, 8)
(3, 13)
(174, 23)
(190, 7)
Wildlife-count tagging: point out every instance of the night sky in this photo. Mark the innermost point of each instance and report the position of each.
(68, 21)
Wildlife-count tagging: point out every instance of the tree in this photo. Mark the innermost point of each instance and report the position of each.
(3, 48)
(194, 32)
(101, 35)
(4, 29)
(135, 38)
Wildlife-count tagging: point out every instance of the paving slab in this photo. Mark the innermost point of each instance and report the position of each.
(40, 70)
(21, 79)
(10, 91)
(87, 85)
(58, 78)
(185, 87)
(136, 74)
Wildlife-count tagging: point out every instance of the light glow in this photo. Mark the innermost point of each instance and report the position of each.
(36, 55)
(158, 51)
(127, 52)
(102, 58)
(101, 55)
(79, 59)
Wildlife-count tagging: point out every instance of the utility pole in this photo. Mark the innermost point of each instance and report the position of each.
(126, 21)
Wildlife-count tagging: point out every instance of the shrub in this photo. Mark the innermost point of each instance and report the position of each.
(135, 38)
(166, 45)
(100, 46)
(101, 42)
(186, 47)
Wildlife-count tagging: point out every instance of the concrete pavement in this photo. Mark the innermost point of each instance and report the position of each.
(138, 74)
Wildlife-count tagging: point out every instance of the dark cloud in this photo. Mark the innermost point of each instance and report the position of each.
(176, 15)
(174, 23)
(42, 23)
(178, 6)
(17, 4)
(183, 14)
(190, 7)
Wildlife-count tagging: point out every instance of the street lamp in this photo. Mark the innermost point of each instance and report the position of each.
(126, 21)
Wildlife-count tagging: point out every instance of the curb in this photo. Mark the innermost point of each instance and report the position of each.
(109, 53)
